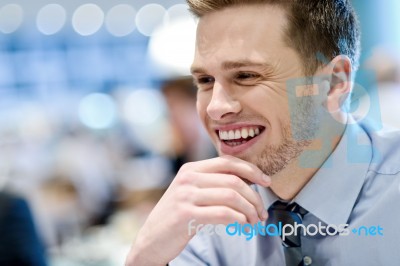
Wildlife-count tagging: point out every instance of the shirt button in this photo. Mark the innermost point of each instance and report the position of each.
(307, 260)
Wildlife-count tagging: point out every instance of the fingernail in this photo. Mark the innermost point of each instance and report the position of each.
(266, 179)
(264, 215)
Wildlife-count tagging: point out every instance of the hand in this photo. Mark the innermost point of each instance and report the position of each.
(213, 191)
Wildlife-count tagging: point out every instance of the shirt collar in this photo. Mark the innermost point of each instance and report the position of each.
(332, 192)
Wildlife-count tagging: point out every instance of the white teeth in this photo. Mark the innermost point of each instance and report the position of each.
(225, 135)
(231, 134)
(251, 132)
(243, 133)
(237, 134)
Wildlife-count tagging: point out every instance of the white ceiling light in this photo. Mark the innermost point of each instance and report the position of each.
(149, 17)
(11, 17)
(179, 11)
(97, 111)
(120, 20)
(87, 19)
(51, 18)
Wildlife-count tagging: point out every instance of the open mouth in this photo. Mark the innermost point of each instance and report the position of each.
(239, 136)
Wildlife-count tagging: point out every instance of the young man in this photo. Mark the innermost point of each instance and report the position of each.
(273, 80)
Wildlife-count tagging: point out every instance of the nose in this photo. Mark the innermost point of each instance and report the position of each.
(222, 103)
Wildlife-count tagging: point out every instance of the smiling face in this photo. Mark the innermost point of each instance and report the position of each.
(241, 67)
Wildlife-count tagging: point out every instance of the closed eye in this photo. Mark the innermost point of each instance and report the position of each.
(246, 78)
(245, 75)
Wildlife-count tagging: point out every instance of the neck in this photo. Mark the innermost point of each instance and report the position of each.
(290, 181)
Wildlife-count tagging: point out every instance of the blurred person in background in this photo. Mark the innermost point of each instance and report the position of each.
(61, 216)
(20, 244)
(190, 141)
(385, 63)
(93, 178)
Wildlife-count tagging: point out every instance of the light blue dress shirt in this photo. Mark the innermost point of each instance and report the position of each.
(358, 185)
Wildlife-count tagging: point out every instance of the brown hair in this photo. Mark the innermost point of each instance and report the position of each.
(183, 86)
(318, 30)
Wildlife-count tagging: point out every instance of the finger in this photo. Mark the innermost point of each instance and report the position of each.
(218, 215)
(231, 165)
(227, 197)
(208, 180)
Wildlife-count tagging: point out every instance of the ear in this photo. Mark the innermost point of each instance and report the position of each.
(339, 74)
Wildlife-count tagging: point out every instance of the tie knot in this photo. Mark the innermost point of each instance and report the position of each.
(288, 214)
(293, 208)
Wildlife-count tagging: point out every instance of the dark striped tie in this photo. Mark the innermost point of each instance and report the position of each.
(289, 214)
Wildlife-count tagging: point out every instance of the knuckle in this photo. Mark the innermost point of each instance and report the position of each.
(184, 178)
(241, 219)
(235, 182)
(186, 167)
(231, 196)
(223, 214)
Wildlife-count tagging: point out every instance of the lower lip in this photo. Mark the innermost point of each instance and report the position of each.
(233, 150)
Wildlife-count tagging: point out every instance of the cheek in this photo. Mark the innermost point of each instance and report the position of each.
(201, 106)
(272, 104)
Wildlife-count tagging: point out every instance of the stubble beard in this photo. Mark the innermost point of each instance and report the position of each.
(296, 136)
(274, 159)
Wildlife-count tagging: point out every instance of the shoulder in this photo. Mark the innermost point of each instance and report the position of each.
(15, 211)
(386, 149)
(10, 202)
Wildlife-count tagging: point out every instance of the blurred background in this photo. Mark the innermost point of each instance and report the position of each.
(97, 114)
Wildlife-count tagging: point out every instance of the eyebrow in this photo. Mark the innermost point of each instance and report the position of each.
(229, 65)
